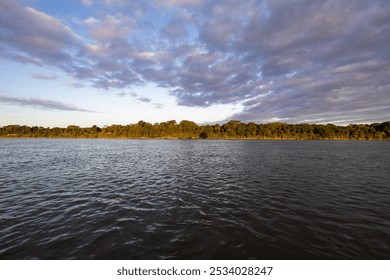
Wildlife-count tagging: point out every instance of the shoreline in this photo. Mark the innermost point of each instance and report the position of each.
(187, 130)
(195, 139)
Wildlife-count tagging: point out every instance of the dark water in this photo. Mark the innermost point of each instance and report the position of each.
(147, 199)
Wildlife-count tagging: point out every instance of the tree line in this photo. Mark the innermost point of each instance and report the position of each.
(233, 129)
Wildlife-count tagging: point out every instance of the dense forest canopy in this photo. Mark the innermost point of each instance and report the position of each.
(189, 130)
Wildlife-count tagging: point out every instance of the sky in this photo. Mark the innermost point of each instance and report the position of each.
(103, 62)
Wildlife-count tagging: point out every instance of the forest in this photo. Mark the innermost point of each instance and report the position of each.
(233, 129)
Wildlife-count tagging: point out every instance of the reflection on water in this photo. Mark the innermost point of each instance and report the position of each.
(161, 199)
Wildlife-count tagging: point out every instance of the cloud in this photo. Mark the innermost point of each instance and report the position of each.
(144, 99)
(321, 62)
(175, 30)
(136, 96)
(86, 2)
(123, 94)
(31, 36)
(296, 60)
(185, 3)
(90, 21)
(111, 28)
(43, 76)
(40, 104)
(21, 58)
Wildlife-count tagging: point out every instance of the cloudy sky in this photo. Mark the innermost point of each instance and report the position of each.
(105, 62)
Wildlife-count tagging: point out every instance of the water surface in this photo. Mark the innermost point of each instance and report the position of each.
(185, 199)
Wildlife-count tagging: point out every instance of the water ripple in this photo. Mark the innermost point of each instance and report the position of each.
(130, 199)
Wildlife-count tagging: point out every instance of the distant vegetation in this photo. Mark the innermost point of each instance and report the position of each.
(190, 130)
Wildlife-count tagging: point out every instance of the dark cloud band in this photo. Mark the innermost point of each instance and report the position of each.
(43, 104)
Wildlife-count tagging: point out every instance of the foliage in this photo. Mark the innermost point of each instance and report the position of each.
(189, 130)
(203, 135)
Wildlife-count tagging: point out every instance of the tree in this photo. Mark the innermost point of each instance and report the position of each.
(203, 135)
(233, 129)
(187, 129)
